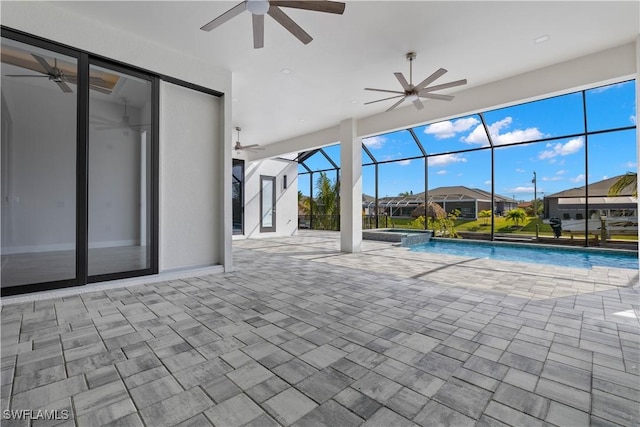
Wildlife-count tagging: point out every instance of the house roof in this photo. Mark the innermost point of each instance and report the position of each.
(600, 188)
(460, 192)
(449, 194)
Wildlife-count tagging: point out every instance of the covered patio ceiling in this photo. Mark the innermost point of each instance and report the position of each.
(288, 89)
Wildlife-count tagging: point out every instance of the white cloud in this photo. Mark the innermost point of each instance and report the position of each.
(374, 141)
(520, 170)
(478, 135)
(579, 178)
(520, 190)
(556, 177)
(449, 129)
(632, 119)
(404, 162)
(488, 182)
(446, 159)
(570, 147)
(605, 177)
(630, 165)
(442, 172)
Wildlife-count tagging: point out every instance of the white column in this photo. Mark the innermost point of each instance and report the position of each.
(350, 188)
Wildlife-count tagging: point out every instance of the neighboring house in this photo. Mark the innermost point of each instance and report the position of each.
(469, 201)
(572, 203)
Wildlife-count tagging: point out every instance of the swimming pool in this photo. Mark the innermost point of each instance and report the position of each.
(567, 257)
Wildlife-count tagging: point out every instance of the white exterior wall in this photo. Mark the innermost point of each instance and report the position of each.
(286, 198)
(213, 163)
(190, 197)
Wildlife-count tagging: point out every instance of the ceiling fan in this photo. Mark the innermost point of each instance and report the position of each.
(413, 92)
(124, 123)
(240, 147)
(259, 8)
(58, 76)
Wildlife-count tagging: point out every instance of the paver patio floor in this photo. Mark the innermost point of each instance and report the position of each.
(304, 335)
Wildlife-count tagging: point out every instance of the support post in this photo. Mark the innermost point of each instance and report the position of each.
(350, 188)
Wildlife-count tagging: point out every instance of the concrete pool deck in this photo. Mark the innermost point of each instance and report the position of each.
(302, 334)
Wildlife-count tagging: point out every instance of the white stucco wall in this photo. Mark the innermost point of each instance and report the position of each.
(190, 197)
(286, 198)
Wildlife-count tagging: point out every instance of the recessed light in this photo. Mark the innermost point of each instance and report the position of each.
(354, 102)
(234, 99)
(541, 39)
(285, 71)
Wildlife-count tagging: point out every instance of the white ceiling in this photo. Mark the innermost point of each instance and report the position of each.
(477, 40)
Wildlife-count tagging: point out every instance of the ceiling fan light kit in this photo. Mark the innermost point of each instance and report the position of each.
(259, 8)
(413, 93)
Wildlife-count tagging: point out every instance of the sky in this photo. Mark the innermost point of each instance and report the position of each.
(559, 164)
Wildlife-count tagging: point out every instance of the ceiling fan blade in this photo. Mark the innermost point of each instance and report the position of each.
(317, 6)
(65, 88)
(384, 90)
(253, 146)
(383, 99)
(433, 77)
(258, 31)
(403, 82)
(396, 104)
(254, 149)
(288, 23)
(22, 75)
(44, 64)
(446, 85)
(231, 13)
(435, 96)
(419, 105)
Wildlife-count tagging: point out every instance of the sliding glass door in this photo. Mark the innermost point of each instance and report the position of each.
(39, 117)
(78, 168)
(119, 154)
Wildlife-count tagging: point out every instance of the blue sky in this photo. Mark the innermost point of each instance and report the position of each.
(559, 164)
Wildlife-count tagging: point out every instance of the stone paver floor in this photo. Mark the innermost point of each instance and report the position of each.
(303, 335)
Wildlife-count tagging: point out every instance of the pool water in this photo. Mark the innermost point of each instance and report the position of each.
(577, 258)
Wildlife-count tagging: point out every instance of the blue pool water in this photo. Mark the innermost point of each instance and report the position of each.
(539, 255)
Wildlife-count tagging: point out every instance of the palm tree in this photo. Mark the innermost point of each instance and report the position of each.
(516, 215)
(486, 214)
(629, 179)
(304, 204)
(326, 202)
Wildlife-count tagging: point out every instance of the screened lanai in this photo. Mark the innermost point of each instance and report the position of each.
(482, 166)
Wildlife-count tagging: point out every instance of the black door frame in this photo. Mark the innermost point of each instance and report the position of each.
(239, 162)
(84, 60)
(272, 228)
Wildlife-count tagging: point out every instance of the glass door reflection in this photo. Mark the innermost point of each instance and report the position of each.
(119, 172)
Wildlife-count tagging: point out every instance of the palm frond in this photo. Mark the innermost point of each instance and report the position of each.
(630, 179)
